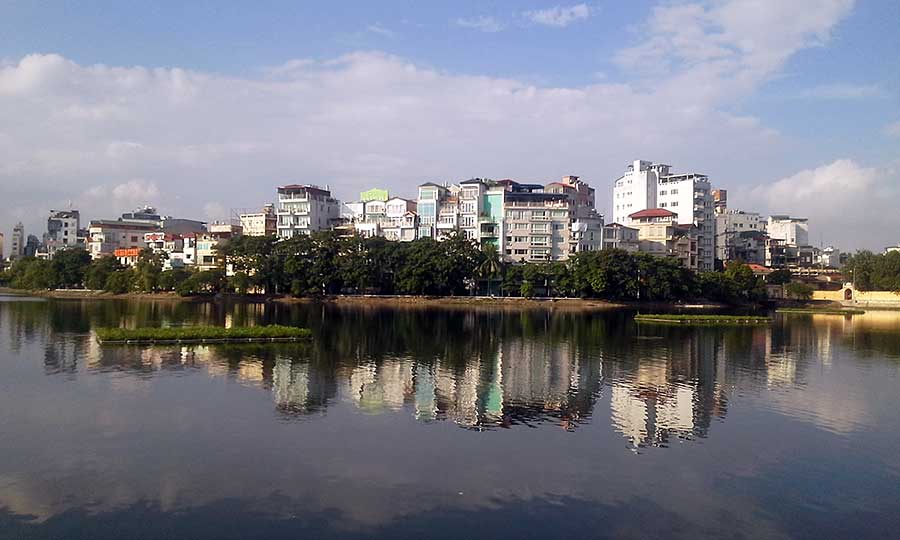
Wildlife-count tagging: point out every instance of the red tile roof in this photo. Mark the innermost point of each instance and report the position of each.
(651, 213)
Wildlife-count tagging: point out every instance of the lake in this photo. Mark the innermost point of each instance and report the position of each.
(446, 423)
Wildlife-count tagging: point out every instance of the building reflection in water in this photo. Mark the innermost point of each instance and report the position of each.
(478, 370)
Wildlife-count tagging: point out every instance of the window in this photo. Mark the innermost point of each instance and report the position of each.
(663, 192)
(662, 205)
(675, 203)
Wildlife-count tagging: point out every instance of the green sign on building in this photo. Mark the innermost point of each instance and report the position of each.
(374, 194)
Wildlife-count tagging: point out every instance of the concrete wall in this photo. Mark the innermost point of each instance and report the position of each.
(885, 299)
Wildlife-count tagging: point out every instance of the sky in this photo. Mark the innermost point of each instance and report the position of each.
(203, 107)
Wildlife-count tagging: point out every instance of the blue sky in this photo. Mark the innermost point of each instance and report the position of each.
(787, 106)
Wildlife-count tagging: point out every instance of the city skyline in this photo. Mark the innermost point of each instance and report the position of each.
(792, 112)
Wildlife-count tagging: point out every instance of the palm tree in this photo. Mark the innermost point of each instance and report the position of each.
(490, 264)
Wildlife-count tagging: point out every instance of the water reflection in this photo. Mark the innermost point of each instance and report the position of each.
(365, 414)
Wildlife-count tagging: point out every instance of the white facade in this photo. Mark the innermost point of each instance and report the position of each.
(260, 223)
(105, 237)
(791, 231)
(646, 185)
(303, 209)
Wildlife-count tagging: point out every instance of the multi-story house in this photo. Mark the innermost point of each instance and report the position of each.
(618, 236)
(62, 231)
(303, 209)
(121, 238)
(730, 226)
(659, 233)
(432, 199)
(401, 220)
(646, 185)
(262, 223)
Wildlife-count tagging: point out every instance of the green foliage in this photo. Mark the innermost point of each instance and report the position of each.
(198, 333)
(169, 280)
(119, 282)
(68, 267)
(205, 283)
(799, 291)
(98, 272)
(701, 319)
(871, 272)
(779, 277)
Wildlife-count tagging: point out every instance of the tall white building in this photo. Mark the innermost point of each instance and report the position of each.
(303, 209)
(646, 185)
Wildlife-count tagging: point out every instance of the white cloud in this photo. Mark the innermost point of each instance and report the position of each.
(559, 16)
(727, 48)
(840, 91)
(482, 22)
(381, 30)
(848, 204)
(892, 129)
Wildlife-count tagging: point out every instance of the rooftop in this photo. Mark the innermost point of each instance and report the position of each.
(652, 213)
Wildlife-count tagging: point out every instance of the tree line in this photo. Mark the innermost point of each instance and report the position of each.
(325, 263)
(874, 272)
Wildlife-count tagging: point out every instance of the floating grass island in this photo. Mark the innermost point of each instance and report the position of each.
(202, 334)
(814, 311)
(669, 318)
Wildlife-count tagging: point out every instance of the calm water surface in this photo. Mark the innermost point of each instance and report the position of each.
(413, 423)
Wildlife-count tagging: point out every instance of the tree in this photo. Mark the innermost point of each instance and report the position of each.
(69, 266)
(799, 291)
(147, 270)
(491, 265)
(779, 277)
(119, 282)
(99, 271)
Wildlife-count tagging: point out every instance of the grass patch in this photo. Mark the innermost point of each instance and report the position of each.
(825, 311)
(202, 334)
(669, 318)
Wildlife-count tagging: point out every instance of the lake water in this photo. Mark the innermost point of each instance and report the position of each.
(469, 423)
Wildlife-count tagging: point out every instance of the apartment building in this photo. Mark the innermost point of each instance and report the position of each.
(17, 242)
(526, 222)
(648, 185)
(303, 209)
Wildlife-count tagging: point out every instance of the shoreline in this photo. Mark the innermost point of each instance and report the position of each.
(492, 302)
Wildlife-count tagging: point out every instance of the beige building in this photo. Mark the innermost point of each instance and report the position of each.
(659, 233)
(263, 223)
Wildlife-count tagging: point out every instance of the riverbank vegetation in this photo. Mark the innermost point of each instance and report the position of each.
(669, 318)
(202, 333)
(327, 264)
